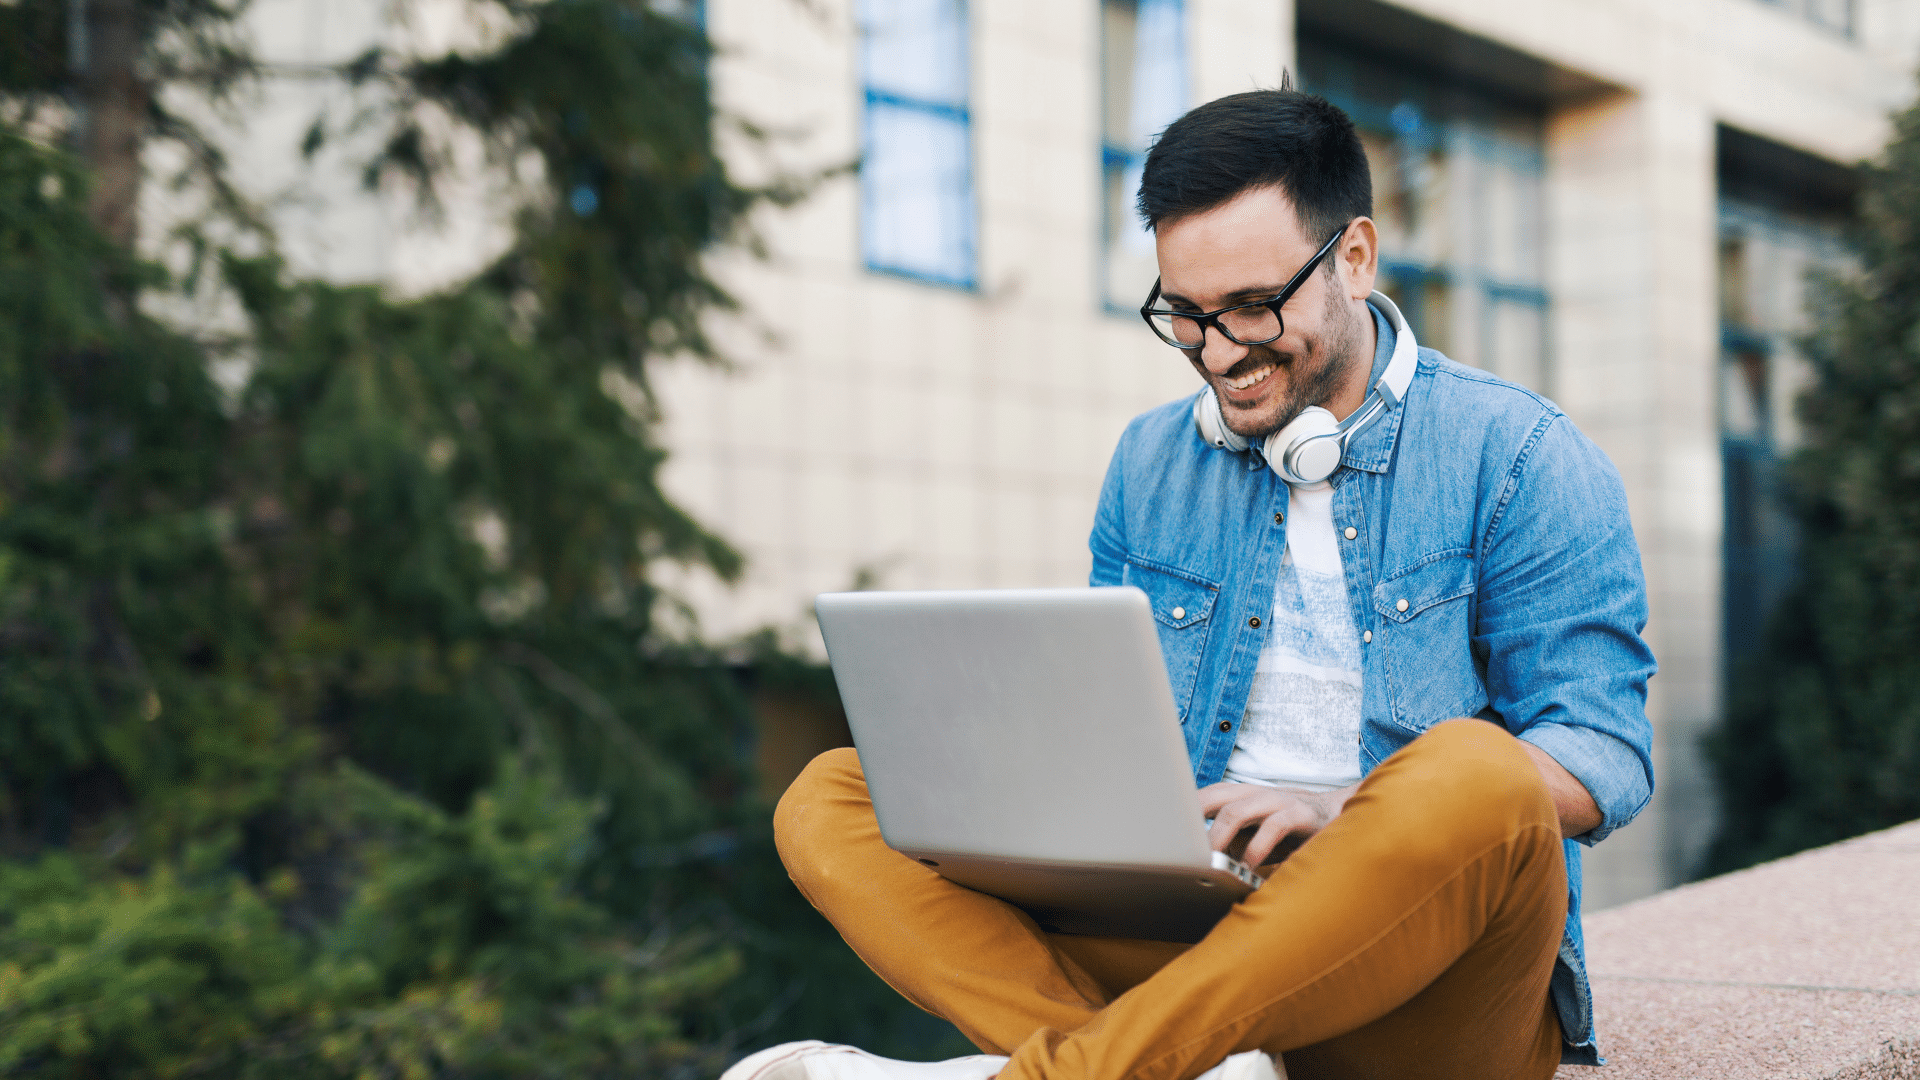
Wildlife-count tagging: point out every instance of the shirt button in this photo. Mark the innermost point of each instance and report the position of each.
(1352, 532)
(1226, 725)
(1367, 637)
(1254, 622)
(1401, 606)
(1279, 519)
(1179, 613)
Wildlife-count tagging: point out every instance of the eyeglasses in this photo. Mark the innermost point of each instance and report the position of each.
(1243, 324)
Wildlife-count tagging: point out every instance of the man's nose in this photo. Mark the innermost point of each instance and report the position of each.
(1219, 352)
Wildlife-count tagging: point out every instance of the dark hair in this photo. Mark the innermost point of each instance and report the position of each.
(1299, 142)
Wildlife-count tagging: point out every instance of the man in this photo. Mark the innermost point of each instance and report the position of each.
(1419, 678)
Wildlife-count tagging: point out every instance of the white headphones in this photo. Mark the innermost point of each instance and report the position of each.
(1310, 447)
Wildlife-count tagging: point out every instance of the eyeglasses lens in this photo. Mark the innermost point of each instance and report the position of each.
(1178, 331)
(1251, 325)
(1248, 325)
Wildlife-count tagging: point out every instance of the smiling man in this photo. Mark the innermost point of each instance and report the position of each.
(1400, 605)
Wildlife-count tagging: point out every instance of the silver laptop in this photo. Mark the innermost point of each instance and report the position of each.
(1024, 743)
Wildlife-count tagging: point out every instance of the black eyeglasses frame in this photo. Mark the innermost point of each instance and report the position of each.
(1212, 318)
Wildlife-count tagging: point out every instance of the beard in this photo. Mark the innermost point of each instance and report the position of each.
(1316, 373)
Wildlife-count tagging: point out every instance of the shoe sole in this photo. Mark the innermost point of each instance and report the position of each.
(760, 1064)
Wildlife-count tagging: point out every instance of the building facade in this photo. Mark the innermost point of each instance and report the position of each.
(1611, 201)
(1615, 202)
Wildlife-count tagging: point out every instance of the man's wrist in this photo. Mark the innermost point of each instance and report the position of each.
(1331, 803)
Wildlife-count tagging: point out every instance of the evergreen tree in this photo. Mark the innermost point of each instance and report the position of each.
(336, 737)
(1822, 736)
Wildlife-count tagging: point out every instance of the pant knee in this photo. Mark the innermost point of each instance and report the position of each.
(1474, 763)
(805, 819)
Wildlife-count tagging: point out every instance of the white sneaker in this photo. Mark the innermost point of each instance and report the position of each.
(1252, 1065)
(815, 1060)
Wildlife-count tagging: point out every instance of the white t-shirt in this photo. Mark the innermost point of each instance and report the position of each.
(1302, 724)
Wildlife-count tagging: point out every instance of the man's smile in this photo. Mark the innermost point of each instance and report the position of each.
(1252, 378)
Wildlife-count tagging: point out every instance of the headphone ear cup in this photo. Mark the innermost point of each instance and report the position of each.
(1308, 449)
(1314, 458)
(1212, 426)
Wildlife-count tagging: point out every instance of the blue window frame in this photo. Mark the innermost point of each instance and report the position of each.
(1143, 89)
(917, 206)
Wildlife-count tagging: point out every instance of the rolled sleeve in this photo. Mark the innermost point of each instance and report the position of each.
(1611, 771)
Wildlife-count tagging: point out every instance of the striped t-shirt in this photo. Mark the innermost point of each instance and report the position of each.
(1302, 724)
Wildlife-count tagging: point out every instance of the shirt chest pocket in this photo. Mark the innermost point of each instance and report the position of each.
(1426, 639)
(1182, 606)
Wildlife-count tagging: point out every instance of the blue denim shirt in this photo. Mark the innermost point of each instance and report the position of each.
(1478, 504)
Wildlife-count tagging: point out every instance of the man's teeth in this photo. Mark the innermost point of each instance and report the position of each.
(1248, 380)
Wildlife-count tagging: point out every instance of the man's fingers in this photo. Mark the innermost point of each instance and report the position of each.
(1267, 816)
(1215, 796)
(1247, 807)
(1228, 820)
(1272, 831)
(1240, 815)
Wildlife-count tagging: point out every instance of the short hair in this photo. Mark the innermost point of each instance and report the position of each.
(1299, 142)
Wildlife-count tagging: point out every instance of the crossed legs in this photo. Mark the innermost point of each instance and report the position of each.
(1414, 936)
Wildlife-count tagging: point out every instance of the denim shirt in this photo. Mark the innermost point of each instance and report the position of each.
(1490, 556)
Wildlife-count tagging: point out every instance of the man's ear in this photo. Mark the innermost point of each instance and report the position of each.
(1359, 257)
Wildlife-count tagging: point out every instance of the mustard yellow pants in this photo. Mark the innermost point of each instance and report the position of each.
(1413, 937)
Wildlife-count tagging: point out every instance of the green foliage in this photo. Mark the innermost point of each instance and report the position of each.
(614, 261)
(336, 737)
(152, 976)
(467, 949)
(197, 644)
(1822, 737)
(127, 49)
(186, 41)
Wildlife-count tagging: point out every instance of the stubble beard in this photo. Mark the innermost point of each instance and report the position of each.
(1316, 375)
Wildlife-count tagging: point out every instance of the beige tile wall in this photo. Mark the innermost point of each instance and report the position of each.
(937, 437)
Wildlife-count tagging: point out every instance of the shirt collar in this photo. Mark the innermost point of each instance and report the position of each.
(1372, 450)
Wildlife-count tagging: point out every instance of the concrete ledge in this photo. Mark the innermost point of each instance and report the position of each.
(1808, 967)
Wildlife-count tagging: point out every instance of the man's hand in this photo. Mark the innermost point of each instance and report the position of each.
(1269, 817)
(1253, 822)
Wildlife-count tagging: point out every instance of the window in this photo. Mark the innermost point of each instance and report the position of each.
(1143, 89)
(1459, 197)
(916, 171)
(1767, 258)
(1783, 219)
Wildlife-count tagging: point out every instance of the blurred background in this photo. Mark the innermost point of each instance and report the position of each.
(426, 424)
